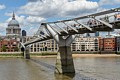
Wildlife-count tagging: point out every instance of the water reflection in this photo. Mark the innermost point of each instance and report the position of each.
(43, 69)
(64, 76)
(43, 64)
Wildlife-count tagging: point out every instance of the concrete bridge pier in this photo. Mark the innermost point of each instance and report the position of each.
(64, 62)
(25, 50)
(26, 53)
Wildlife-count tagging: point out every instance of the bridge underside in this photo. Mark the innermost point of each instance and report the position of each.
(64, 62)
(64, 35)
(101, 28)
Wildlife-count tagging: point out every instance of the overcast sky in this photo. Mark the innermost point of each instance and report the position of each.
(30, 13)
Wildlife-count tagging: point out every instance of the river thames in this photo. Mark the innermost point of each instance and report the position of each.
(43, 69)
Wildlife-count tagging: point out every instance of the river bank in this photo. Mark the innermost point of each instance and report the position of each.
(54, 55)
(82, 55)
(95, 55)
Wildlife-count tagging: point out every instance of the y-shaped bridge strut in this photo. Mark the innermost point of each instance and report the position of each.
(64, 62)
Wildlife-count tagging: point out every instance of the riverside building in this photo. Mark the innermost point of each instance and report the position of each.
(117, 38)
(85, 44)
(80, 44)
(10, 42)
(108, 45)
(9, 45)
(48, 45)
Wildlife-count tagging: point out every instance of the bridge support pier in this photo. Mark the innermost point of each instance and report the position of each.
(64, 62)
(26, 53)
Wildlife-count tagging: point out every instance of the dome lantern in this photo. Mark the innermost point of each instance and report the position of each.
(13, 18)
(13, 22)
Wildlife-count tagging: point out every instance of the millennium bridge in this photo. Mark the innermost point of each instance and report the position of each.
(65, 31)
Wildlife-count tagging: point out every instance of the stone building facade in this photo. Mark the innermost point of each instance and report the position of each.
(83, 44)
(48, 45)
(13, 28)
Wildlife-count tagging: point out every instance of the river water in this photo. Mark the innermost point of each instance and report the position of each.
(43, 69)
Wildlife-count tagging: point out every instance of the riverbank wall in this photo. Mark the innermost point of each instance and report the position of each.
(53, 54)
(20, 54)
(95, 52)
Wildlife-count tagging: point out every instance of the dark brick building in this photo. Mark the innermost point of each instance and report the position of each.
(118, 44)
(107, 44)
(9, 45)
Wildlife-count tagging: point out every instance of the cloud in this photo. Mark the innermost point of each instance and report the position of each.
(41, 10)
(32, 19)
(20, 19)
(2, 7)
(26, 19)
(32, 24)
(3, 27)
(4, 24)
(58, 8)
(28, 23)
(109, 2)
(32, 30)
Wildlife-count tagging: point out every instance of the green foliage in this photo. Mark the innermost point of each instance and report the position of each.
(43, 54)
(16, 49)
(10, 55)
(4, 48)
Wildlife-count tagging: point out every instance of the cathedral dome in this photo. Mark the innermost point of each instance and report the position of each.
(13, 22)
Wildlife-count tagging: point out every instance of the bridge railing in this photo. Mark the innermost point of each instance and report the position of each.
(101, 21)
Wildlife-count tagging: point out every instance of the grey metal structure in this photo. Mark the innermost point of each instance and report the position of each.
(64, 32)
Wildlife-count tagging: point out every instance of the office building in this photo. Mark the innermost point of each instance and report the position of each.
(82, 44)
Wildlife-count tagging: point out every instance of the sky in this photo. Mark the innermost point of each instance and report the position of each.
(30, 13)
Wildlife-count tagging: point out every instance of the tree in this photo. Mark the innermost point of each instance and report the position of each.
(4, 48)
(16, 48)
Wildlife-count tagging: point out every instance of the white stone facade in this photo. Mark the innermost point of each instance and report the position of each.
(80, 44)
(48, 45)
(85, 44)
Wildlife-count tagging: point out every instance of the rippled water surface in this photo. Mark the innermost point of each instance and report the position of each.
(43, 69)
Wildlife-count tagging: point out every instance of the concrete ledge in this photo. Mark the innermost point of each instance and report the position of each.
(95, 55)
(10, 52)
